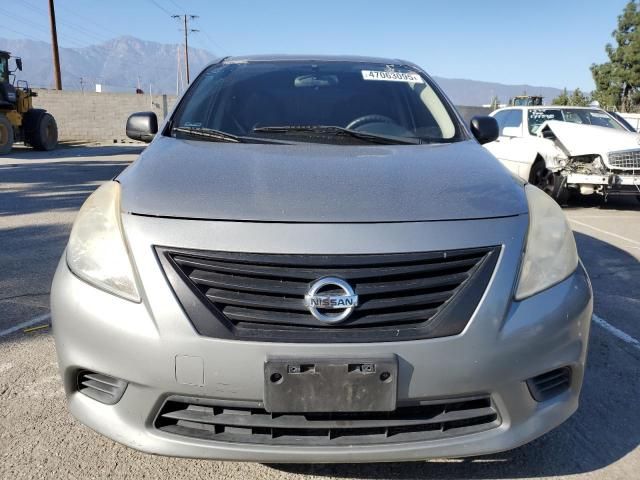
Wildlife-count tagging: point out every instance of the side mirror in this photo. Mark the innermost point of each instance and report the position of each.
(548, 133)
(142, 126)
(485, 129)
(19, 64)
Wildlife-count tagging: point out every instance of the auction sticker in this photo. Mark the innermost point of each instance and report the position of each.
(391, 76)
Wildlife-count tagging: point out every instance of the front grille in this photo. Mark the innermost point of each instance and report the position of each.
(261, 296)
(100, 387)
(549, 384)
(628, 159)
(247, 423)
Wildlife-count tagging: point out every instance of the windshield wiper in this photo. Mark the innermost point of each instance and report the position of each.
(213, 135)
(209, 133)
(335, 130)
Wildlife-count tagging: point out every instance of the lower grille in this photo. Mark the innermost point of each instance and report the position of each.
(549, 384)
(260, 297)
(629, 159)
(236, 423)
(103, 388)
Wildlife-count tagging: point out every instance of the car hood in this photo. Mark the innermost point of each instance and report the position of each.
(319, 183)
(577, 139)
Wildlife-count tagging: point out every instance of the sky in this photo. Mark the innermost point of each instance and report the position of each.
(543, 43)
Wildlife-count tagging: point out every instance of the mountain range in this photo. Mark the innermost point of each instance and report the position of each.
(125, 63)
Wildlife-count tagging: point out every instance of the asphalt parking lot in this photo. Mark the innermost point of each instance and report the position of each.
(39, 197)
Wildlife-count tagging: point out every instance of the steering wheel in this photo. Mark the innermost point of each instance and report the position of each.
(374, 118)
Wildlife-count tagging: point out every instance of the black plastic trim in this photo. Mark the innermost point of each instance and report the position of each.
(450, 319)
(247, 422)
(550, 384)
(100, 387)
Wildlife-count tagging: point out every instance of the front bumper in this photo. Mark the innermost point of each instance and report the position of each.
(97, 331)
(618, 184)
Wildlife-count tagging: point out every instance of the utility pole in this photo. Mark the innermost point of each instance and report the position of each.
(54, 43)
(185, 18)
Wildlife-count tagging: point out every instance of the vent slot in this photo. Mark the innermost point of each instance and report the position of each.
(550, 384)
(100, 387)
(251, 424)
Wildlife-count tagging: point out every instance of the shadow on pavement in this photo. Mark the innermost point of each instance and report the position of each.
(74, 150)
(605, 428)
(51, 186)
(622, 203)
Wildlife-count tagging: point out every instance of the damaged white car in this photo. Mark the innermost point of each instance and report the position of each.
(565, 150)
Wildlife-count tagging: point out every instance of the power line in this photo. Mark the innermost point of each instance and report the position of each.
(86, 19)
(29, 23)
(220, 49)
(23, 34)
(161, 7)
(175, 4)
(77, 28)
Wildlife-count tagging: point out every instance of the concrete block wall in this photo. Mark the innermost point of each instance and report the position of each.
(468, 112)
(99, 117)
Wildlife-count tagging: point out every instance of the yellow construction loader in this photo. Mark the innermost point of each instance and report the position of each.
(19, 121)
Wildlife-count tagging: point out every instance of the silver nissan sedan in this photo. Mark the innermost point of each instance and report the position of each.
(315, 260)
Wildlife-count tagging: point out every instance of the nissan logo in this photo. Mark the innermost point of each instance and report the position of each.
(319, 303)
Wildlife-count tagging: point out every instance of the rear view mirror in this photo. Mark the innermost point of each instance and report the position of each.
(142, 126)
(485, 129)
(19, 64)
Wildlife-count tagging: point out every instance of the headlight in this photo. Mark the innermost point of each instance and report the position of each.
(550, 254)
(97, 251)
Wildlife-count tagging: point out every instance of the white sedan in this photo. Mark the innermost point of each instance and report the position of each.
(568, 149)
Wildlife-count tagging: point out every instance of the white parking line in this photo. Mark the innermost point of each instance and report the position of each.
(28, 323)
(606, 232)
(625, 337)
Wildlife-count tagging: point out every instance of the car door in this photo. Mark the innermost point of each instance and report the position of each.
(508, 146)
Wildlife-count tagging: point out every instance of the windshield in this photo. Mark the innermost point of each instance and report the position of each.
(245, 99)
(573, 115)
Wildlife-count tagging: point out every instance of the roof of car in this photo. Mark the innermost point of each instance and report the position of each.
(318, 58)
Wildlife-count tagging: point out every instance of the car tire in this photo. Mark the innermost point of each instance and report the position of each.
(6, 135)
(40, 130)
(551, 183)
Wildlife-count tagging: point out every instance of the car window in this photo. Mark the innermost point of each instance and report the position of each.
(396, 101)
(510, 122)
(595, 117)
(500, 117)
(537, 116)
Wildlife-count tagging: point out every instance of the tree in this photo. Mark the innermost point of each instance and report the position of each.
(618, 80)
(562, 99)
(579, 99)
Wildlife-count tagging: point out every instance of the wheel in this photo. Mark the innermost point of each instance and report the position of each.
(40, 130)
(550, 183)
(6, 135)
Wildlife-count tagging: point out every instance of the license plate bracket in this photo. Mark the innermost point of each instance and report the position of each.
(330, 384)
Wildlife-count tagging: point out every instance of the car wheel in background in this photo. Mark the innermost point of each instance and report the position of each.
(550, 183)
(6, 135)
